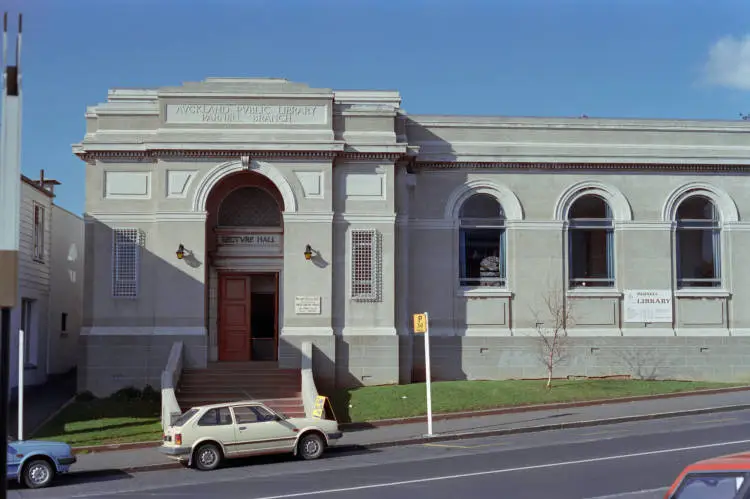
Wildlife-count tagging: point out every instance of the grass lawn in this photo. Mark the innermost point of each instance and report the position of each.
(384, 402)
(122, 418)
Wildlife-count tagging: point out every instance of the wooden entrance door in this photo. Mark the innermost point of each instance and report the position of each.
(234, 317)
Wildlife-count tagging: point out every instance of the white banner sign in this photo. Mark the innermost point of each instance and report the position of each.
(648, 305)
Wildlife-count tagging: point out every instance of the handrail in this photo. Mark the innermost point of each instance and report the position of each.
(170, 378)
(309, 391)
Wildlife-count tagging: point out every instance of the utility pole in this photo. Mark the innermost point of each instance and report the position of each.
(10, 205)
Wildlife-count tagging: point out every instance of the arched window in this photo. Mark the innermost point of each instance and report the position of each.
(591, 243)
(697, 239)
(249, 207)
(482, 242)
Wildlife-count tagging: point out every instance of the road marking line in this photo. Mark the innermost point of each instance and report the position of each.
(504, 470)
(723, 420)
(630, 494)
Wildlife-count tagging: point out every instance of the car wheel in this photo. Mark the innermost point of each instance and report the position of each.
(207, 457)
(38, 473)
(311, 446)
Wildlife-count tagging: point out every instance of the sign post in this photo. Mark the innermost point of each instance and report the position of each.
(21, 366)
(10, 206)
(422, 326)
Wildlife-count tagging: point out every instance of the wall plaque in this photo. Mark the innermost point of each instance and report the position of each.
(246, 114)
(306, 305)
(648, 305)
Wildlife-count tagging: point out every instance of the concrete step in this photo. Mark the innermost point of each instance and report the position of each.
(232, 397)
(292, 407)
(238, 375)
(231, 387)
(245, 367)
(217, 380)
(239, 387)
(198, 379)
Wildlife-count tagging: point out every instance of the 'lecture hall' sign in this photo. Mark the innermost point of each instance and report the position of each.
(648, 305)
(253, 243)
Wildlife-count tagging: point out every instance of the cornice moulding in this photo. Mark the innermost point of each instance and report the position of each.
(587, 124)
(584, 164)
(239, 95)
(365, 218)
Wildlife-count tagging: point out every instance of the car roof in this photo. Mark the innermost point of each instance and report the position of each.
(229, 404)
(728, 462)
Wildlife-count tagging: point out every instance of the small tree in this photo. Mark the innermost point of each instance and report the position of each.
(553, 335)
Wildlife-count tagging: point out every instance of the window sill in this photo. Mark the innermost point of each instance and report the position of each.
(484, 292)
(702, 293)
(594, 293)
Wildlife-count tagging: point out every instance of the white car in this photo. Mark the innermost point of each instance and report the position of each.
(206, 435)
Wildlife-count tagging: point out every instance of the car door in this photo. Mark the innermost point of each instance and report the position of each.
(259, 431)
(217, 424)
(13, 461)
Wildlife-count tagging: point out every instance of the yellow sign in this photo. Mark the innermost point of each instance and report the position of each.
(319, 408)
(420, 323)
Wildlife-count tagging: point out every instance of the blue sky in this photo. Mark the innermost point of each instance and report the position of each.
(608, 58)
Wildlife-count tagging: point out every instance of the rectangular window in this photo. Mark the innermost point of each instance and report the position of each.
(28, 326)
(365, 265)
(38, 243)
(126, 254)
(482, 257)
(699, 263)
(591, 257)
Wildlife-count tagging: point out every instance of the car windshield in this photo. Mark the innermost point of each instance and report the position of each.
(711, 486)
(185, 417)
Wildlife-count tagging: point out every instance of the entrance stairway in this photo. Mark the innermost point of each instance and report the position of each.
(280, 389)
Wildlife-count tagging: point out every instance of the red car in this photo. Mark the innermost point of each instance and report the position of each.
(723, 477)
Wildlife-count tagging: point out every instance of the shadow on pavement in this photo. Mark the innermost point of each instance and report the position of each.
(355, 427)
(81, 477)
(501, 425)
(331, 453)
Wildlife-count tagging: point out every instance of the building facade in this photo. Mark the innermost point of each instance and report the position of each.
(244, 216)
(50, 285)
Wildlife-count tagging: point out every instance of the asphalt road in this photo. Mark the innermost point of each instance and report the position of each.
(628, 461)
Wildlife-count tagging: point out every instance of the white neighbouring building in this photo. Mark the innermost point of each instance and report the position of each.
(639, 224)
(50, 285)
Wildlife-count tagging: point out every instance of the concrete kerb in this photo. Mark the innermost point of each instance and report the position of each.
(486, 433)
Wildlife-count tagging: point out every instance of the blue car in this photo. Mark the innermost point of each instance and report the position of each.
(35, 463)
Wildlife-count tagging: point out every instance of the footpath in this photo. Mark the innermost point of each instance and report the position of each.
(474, 424)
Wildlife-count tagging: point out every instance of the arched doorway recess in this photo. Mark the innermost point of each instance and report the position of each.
(244, 239)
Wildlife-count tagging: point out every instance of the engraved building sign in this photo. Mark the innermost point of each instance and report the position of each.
(246, 114)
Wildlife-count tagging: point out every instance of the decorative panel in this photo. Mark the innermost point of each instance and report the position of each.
(178, 182)
(365, 186)
(312, 184)
(127, 185)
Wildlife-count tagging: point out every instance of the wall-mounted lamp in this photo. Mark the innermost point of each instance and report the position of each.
(308, 252)
(180, 252)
